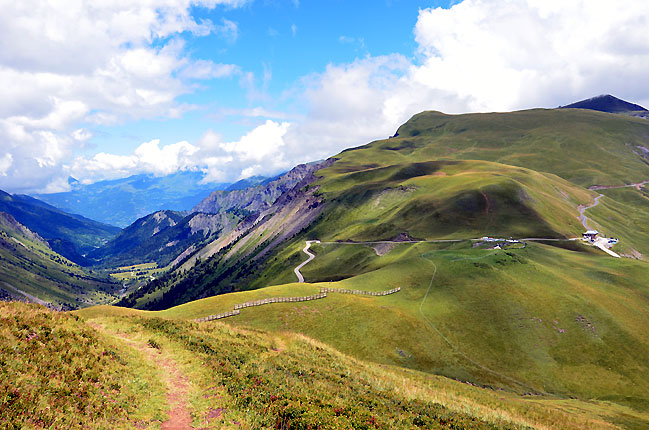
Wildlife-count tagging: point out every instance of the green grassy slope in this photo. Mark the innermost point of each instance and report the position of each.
(260, 379)
(442, 200)
(29, 266)
(585, 147)
(557, 321)
(562, 324)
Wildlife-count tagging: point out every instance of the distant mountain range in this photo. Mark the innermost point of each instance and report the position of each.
(121, 201)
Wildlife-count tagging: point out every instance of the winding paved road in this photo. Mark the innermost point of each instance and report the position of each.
(583, 218)
(300, 278)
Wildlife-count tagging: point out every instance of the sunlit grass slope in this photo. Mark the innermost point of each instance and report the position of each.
(585, 147)
(444, 199)
(540, 319)
(259, 379)
(28, 265)
(56, 372)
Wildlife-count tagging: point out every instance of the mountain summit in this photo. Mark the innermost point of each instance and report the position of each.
(606, 103)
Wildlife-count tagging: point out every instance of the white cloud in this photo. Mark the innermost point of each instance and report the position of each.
(218, 160)
(91, 62)
(5, 163)
(260, 151)
(149, 157)
(479, 55)
(229, 30)
(262, 143)
(525, 53)
(205, 69)
(255, 112)
(165, 160)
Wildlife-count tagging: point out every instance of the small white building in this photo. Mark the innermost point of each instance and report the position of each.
(590, 235)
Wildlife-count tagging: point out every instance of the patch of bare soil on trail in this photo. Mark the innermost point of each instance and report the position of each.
(177, 388)
(176, 382)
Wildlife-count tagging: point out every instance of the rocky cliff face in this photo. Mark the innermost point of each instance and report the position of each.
(257, 198)
(285, 197)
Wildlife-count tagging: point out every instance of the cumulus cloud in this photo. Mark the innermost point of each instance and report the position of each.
(479, 55)
(149, 157)
(5, 163)
(91, 62)
(525, 53)
(259, 151)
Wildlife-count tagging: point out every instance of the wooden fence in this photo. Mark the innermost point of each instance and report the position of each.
(321, 295)
(218, 316)
(260, 302)
(360, 292)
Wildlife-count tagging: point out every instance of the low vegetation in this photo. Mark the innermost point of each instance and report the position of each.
(56, 372)
(253, 379)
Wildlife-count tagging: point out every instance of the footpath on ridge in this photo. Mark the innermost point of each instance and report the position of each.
(176, 382)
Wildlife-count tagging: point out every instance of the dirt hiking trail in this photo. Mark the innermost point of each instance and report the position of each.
(176, 382)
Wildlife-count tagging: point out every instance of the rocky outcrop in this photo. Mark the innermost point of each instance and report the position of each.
(291, 211)
(257, 198)
(210, 223)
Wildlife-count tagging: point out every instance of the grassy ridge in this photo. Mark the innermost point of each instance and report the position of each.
(439, 199)
(582, 146)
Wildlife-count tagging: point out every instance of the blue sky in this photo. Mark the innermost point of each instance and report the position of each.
(235, 88)
(286, 39)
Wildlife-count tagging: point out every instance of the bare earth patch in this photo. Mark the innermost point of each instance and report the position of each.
(383, 248)
(176, 381)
